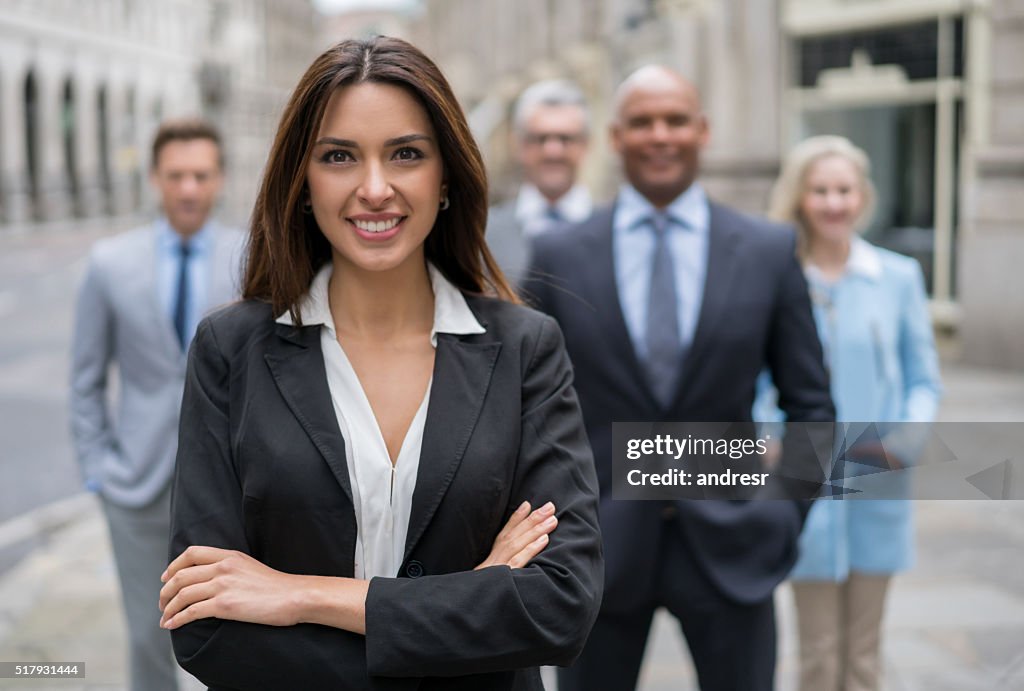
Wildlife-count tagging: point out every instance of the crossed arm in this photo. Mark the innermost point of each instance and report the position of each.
(204, 582)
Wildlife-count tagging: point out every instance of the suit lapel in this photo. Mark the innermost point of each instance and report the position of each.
(162, 324)
(603, 285)
(462, 375)
(718, 281)
(297, 365)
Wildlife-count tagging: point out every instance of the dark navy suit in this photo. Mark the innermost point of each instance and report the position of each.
(713, 563)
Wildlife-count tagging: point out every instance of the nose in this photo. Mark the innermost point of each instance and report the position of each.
(553, 146)
(834, 201)
(189, 185)
(659, 130)
(375, 189)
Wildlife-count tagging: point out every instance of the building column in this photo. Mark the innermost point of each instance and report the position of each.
(124, 155)
(54, 186)
(87, 160)
(15, 202)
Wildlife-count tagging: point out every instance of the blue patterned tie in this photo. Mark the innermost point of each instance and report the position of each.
(181, 298)
(664, 346)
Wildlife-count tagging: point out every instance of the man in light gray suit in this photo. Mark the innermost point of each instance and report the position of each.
(143, 294)
(551, 126)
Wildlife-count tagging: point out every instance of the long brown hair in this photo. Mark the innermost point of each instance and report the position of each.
(286, 247)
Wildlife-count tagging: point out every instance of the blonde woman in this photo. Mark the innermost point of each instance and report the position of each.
(872, 317)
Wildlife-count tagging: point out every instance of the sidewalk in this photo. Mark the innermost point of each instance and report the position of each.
(955, 622)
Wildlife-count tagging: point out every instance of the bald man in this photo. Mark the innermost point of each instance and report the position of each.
(671, 305)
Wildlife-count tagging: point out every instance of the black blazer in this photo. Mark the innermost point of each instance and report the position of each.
(261, 468)
(755, 313)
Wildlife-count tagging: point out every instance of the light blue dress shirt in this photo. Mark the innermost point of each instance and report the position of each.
(633, 243)
(168, 264)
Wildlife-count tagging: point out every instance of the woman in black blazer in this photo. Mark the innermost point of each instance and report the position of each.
(367, 269)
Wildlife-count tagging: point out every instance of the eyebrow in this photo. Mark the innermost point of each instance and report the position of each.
(396, 141)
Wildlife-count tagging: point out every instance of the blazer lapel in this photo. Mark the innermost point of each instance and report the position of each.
(462, 375)
(297, 365)
(604, 287)
(718, 280)
(159, 319)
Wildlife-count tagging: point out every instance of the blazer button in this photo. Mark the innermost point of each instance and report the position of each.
(414, 569)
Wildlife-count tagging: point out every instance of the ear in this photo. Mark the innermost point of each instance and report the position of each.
(705, 130)
(615, 137)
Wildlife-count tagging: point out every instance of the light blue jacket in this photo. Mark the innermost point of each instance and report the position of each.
(878, 343)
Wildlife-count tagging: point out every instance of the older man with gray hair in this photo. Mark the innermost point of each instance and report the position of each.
(551, 126)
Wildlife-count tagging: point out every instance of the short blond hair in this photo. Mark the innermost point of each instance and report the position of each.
(788, 189)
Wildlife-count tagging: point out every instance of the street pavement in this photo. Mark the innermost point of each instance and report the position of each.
(955, 622)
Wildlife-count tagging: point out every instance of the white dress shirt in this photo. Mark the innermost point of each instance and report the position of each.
(532, 208)
(381, 491)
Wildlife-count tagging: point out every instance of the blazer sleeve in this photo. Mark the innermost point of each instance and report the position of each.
(797, 366)
(794, 350)
(499, 618)
(919, 362)
(206, 509)
(91, 354)
(918, 358)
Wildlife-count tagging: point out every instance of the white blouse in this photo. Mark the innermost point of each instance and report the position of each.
(381, 492)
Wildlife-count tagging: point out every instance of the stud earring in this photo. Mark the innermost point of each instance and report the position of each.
(445, 203)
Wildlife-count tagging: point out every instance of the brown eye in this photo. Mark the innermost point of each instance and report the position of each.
(408, 153)
(336, 156)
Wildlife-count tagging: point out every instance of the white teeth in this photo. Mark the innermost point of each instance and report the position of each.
(377, 226)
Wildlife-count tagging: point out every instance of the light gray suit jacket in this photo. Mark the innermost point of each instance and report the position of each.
(507, 241)
(118, 318)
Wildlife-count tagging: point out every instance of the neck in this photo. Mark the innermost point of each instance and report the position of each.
(661, 198)
(186, 233)
(829, 255)
(552, 200)
(381, 304)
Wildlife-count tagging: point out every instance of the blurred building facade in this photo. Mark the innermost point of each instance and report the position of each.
(366, 23)
(932, 89)
(84, 83)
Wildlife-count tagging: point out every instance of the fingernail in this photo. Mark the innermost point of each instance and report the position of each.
(525, 506)
(542, 539)
(163, 577)
(548, 508)
(550, 522)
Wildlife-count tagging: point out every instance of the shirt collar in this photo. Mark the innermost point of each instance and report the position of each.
(690, 209)
(169, 238)
(863, 260)
(451, 313)
(574, 205)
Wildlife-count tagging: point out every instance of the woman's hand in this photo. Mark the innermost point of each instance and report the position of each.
(211, 582)
(523, 537)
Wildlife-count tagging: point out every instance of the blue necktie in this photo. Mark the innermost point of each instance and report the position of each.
(181, 298)
(664, 346)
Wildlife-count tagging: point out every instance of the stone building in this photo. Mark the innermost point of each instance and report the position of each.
(932, 89)
(84, 83)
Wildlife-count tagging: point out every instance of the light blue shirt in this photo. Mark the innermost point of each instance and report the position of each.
(168, 264)
(633, 243)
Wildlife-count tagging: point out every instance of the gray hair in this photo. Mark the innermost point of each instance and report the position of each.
(550, 92)
(787, 192)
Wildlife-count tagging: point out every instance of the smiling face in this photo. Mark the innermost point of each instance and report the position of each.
(832, 199)
(551, 147)
(659, 132)
(375, 177)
